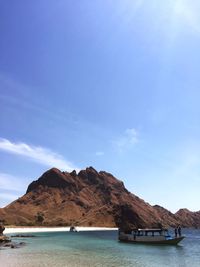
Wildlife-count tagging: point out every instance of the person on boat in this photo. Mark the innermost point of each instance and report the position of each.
(175, 231)
(179, 230)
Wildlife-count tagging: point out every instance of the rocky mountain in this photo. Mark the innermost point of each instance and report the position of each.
(188, 218)
(168, 217)
(89, 198)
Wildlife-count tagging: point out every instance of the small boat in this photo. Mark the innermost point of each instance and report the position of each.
(73, 229)
(149, 236)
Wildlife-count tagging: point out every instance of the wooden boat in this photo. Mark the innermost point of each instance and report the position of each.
(149, 236)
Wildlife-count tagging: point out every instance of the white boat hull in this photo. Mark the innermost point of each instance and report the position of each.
(160, 240)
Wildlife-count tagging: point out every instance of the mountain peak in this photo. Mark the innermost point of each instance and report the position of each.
(51, 178)
(88, 198)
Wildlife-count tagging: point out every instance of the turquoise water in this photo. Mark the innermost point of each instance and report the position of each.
(99, 248)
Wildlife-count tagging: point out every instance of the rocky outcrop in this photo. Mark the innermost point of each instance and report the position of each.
(3, 239)
(2, 228)
(188, 218)
(9, 244)
(167, 217)
(89, 198)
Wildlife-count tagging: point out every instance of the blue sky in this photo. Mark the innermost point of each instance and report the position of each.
(108, 84)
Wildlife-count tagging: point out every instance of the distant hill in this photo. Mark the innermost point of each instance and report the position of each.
(89, 198)
(188, 218)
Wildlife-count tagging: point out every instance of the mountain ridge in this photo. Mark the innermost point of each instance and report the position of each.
(88, 198)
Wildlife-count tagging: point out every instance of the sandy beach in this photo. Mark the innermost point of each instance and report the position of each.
(10, 230)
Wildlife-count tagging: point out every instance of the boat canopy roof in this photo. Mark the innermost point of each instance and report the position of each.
(151, 230)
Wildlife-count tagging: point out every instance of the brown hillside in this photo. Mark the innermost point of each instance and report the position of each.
(188, 218)
(88, 198)
(168, 218)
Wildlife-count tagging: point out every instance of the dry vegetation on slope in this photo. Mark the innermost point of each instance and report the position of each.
(89, 198)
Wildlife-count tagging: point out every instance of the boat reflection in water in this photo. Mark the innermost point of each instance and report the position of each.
(149, 236)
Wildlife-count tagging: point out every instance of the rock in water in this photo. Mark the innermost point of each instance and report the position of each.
(3, 239)
(2, 228)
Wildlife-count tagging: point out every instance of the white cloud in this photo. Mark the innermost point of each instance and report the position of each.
(128, 139)
(10, 182)
(7, 198)
(99, 153)
(131, 136)
(38, 154)
(187, 12)
(11, 188)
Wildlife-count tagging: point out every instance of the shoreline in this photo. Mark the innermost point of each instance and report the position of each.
(19, 229)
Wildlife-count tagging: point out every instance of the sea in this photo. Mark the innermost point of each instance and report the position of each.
(99, 248)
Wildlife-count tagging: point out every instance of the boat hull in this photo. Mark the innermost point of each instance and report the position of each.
(173, 241)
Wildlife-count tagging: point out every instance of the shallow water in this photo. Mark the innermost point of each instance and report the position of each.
(99, 248)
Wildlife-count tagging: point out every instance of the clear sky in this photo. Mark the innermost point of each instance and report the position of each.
(110, 84)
